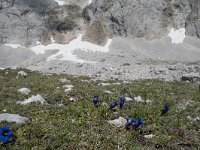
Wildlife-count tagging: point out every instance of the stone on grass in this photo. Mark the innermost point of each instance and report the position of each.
(22, 74)
(24, 91)
(105, 104)
(63, 80)
(37, 98)
(117, 83)
(193, 119)
(128, 99)
(73, 99)
(150, 136)
(109, 92)
(148, 101)
(13, 118)
(87, 81)
(68, 88)
(104, 84)
(138, 99)
(118, 122)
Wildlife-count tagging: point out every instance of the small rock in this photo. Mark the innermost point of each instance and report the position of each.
(63, 80)
(191, 77)
(104, 84)
(79, 65)
(193, 119)
(126, 64)
(73, 99)
(118, 83)
(138, 99)
(4, 110)
(68, 88)
(128, 99)
(105, 104)
(24, 91)
(102, 60)
(150, 136)
(37, 98)
(109, 92)
(22, 74)
(148, 101)
(60, 105)
(13, 118)
(85, 81)
(118, 122)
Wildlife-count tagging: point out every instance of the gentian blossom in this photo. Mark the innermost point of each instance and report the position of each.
(165, 109)
(95, 100)
(5, 134)
(121, 102)
(138, 123)
(114, 104)
(129, 122)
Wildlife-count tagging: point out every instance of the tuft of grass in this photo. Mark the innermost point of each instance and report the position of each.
(79, 125)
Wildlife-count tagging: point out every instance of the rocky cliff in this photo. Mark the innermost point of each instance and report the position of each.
(145, 18)
(28, 21)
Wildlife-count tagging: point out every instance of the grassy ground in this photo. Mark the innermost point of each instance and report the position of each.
(79, 125)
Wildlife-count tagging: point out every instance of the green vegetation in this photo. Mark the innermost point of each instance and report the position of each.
(79, 125)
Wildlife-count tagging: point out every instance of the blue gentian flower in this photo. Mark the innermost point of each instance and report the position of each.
(121, 102)
(114, 104)
(95, 100)
(5, 134)
(138, 123)
(129, 122)
(165, 109)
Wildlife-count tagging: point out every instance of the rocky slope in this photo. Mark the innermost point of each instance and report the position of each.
(139, 46)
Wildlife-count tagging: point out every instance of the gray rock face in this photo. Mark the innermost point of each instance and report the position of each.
(23, 20)
(27, 21)
(193, 19)
(145, 18)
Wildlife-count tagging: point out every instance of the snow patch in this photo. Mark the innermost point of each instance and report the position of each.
(13, 118)
(89, 1)
(65, 51)
(14, 45)
(60, 2)
(177, 36)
